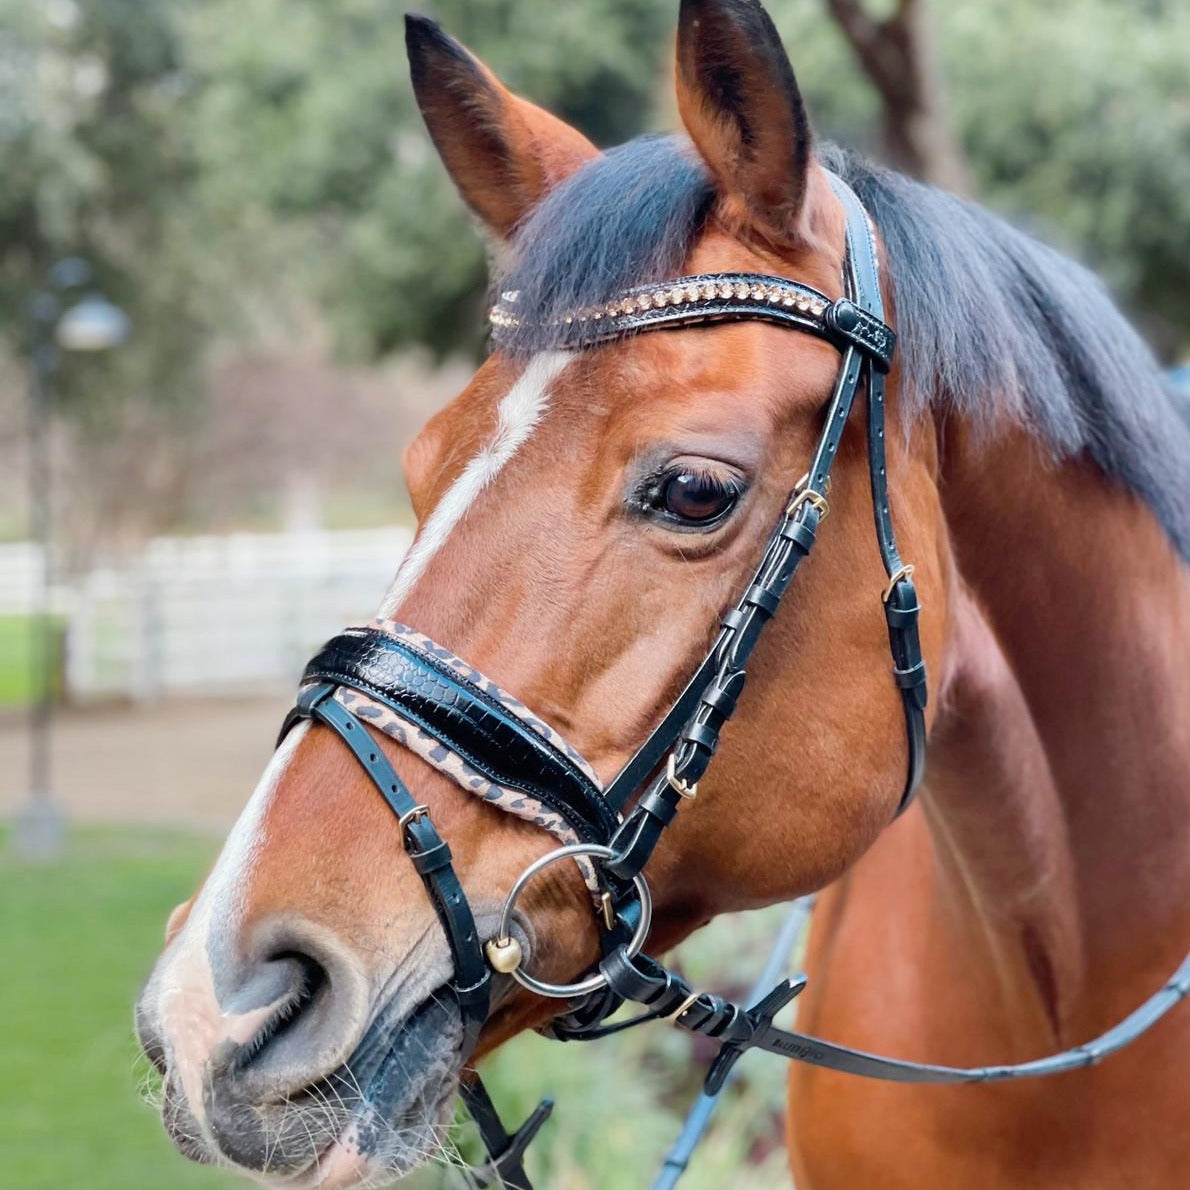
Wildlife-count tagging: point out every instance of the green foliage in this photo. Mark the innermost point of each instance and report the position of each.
(77, 938)
(318, 129)
(232, 166)
(96, 157)
(1076, 118)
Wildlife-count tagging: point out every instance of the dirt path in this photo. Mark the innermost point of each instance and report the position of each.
(191, 762)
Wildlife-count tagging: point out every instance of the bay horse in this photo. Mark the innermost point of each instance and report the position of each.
(587, 515)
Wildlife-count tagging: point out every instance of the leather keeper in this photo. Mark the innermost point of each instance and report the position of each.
(475, 992)
(762, 598)
(911, 677)
(801, 533)
(733, 619)
(901, 617)
(657, 805)
(720, 700)
(724, 698)
(702, 736)
(432, 860)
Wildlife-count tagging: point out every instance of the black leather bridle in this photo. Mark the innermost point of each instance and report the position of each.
(497, 743)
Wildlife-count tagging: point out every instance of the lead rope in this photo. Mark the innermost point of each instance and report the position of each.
(677, 1160)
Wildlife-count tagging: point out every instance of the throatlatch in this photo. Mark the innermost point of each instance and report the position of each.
(394, 679)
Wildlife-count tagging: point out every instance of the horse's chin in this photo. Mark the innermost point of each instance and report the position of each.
(380, 1115)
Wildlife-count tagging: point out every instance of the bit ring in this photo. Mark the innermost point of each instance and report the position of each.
(592, 983)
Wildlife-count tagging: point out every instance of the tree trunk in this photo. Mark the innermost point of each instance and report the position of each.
(900, 58)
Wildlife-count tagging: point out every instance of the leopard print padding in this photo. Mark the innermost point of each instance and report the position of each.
(410, 735)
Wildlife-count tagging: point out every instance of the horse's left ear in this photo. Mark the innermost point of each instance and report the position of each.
(741, 106)
(503, 152)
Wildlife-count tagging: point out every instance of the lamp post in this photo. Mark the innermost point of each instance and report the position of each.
(90, 324)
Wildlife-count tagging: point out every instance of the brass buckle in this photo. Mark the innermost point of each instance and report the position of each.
(678, 784)
(675, 1016)
(808, 496)
(902, 572)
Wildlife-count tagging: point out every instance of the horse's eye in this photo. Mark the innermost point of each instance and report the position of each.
(694, 498)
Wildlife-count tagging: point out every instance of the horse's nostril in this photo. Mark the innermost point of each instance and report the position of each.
(307, 980)
(291, 1008)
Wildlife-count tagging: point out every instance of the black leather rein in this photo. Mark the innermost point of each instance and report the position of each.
(468, 721)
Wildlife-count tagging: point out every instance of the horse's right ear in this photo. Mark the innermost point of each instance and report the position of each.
(503, 152)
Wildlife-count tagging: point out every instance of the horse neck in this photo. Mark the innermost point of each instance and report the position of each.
(1058, 801)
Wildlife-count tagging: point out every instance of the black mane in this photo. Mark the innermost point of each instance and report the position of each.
(991, 322)
(628, 217)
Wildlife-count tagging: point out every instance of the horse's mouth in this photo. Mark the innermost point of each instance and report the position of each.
(375, 1118)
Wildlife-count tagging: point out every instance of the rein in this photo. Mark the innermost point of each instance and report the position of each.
(417, 692)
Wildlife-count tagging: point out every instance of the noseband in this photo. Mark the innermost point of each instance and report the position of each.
(391, 678)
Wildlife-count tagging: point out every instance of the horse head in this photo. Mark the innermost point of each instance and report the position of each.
(587, 516)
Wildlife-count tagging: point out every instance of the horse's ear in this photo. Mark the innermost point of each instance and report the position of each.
(503, 152)
(741, 106)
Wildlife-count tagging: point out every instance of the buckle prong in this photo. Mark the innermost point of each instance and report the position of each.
(676, 1015)
(607, 909)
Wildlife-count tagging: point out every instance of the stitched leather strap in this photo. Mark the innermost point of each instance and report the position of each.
(425, 847)
(900, 603)
(466, 720)
(506, 1151)
(644, 981)
(723, 674)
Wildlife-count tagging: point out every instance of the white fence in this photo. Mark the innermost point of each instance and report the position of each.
(20, 577)
(214, 614)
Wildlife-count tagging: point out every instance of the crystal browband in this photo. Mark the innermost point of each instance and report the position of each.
(704, 298)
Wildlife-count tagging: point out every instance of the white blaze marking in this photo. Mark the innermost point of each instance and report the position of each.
(518, 414)
(222, 895)
(187, 1001)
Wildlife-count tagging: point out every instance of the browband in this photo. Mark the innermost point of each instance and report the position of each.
(712, 297)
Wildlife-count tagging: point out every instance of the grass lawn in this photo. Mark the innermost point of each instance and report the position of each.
(77, 938)
(16, 660)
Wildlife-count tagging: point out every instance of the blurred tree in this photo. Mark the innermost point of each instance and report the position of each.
(96, 162)
(233, 168)
(1076, 119)
(304, 113)
(899, 54)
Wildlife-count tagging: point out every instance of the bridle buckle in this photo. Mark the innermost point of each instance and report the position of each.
(679, 785)
(808, 496)
(676, 1015)
(902, 572)
(420, 811)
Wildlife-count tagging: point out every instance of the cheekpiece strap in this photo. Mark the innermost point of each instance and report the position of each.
(707, 298)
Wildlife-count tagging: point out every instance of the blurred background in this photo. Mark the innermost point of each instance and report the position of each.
(233, 282)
